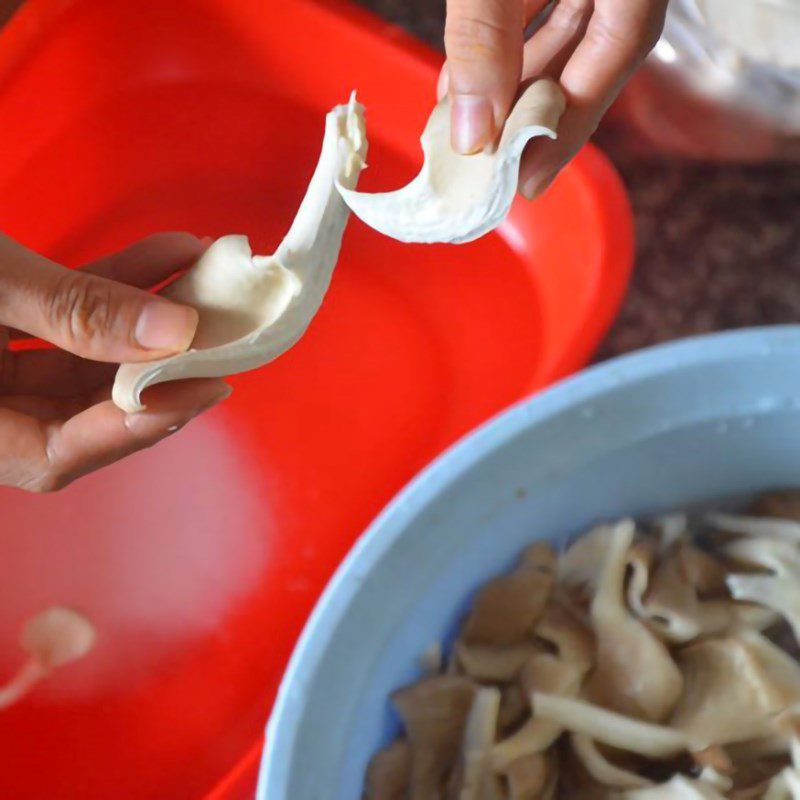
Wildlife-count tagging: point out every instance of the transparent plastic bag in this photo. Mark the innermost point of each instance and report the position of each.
(722, 83)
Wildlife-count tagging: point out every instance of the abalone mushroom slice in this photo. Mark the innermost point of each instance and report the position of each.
(457, 198)
(254, 308)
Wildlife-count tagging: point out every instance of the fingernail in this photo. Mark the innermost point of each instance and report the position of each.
(528, 189)
(166, 326)
(534, 186)
(473, 123)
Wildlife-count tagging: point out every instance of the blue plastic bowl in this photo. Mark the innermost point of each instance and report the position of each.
(672, 426)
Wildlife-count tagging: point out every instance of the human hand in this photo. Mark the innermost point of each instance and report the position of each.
(591, 48)
(57, 421)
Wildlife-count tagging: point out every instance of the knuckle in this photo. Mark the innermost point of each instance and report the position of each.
(82, 309)
(469, 38)
(636, 34)
(45, 482)
(569, 15)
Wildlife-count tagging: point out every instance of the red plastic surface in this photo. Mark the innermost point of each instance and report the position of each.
(199, 561)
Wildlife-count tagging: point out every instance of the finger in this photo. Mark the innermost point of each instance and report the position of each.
(46, 409)
(618, 37)
(145, 264)
(483, 40)
(48, 456)
(549, 49)
(51, 373)
(532, 9)
(151, 260)
(88, 315)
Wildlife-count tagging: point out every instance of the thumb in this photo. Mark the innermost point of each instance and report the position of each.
(85, 314)
(483, 40)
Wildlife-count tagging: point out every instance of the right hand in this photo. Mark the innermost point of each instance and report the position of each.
(591, 48)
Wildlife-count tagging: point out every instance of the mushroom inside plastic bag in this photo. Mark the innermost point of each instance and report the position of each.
(646, 662)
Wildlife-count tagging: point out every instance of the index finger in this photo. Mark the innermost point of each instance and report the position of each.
(483, 40)
(151, 260)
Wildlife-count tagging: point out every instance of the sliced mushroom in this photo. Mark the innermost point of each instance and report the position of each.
(531, 777)
(672, 529)
(719, 780)
(254, 308)
(580, 566)
(601, 769)
(53, 638)
(434, 712)
(573, 641)
(488, 664)
(479, 737)
(667, 602)
(762, 527)
(594, 671)
(634, 672)
(514, 709)
(733, 689)
(752, 750)
(779, 589)
(640, 562)
(609, 727)
(775, 555)
(672, 608)
(703, 570)
(575, 783)
(714, 758)
(546, 673)
(507, 608)
(457, 198)
(678, 787)
(389, 773)
(786, 784)
(432, 660)
(783, 505)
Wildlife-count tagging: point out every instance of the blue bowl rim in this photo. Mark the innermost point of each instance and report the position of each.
(489, 437)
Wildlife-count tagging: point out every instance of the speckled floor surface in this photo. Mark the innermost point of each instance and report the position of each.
(718, 246)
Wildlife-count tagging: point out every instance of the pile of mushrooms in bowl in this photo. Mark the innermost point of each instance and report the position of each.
(646, 661)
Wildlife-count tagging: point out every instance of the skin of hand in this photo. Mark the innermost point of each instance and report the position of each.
(57, 421)
(590, 46)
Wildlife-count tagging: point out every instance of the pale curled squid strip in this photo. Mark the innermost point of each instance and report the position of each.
(254, 308)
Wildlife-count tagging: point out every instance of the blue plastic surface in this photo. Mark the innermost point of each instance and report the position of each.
(672, 426)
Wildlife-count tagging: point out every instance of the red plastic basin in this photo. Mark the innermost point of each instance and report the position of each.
(200, 560)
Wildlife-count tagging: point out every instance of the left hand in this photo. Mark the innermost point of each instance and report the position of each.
(57, 421)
